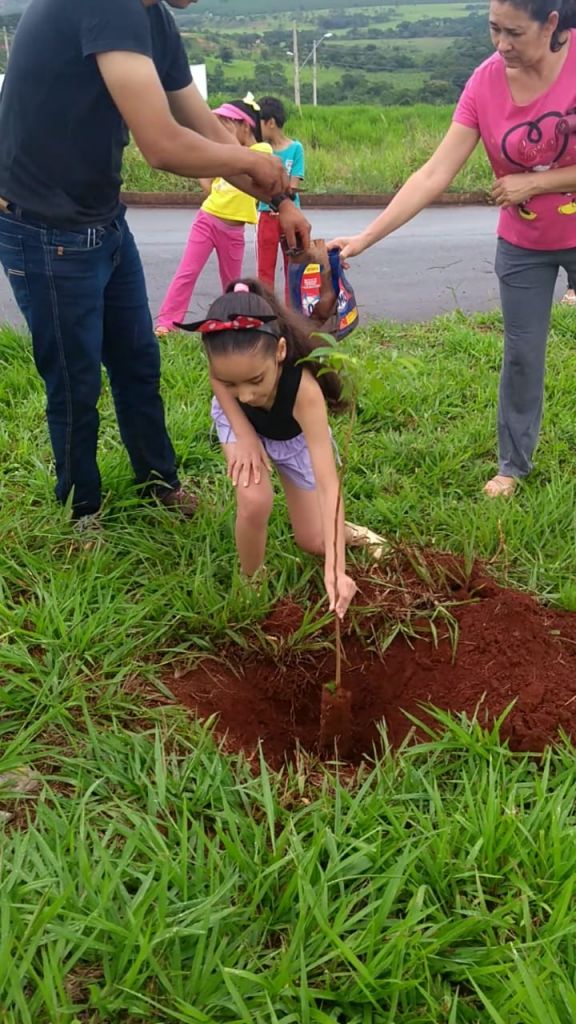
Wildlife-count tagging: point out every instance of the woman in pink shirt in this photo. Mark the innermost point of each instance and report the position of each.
(521, 103)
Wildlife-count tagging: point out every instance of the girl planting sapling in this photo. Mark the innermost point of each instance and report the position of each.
(270, 407)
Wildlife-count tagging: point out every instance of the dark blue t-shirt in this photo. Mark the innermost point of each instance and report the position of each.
(61, 136)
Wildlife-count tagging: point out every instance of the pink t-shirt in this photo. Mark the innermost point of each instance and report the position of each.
(523, 138)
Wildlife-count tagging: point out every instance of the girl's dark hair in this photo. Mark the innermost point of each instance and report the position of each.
(246, 108)
(540, 10)
(298, 332)
(271, 107)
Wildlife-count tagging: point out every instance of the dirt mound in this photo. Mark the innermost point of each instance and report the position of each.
(462, 643)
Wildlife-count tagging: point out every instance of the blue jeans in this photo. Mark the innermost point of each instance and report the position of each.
(83, 296)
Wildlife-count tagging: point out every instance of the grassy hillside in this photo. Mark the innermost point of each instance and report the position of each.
(348, 149)
(247, 7)
(402, 53)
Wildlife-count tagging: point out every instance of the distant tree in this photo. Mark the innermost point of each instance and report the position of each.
(217, 79)
(195, 50)
(439, 92)
(270, 77)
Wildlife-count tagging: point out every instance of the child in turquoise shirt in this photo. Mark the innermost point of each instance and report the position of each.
(291, 153)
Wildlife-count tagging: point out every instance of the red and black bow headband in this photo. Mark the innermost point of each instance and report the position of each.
(235, 323)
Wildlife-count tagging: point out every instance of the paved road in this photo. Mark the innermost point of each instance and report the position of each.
(442, 260)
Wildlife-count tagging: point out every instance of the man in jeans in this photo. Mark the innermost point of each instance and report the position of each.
(81, 73)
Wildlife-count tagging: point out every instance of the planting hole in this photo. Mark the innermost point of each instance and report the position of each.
(416, 639)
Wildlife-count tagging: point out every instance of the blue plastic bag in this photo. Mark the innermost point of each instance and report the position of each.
(320, 289)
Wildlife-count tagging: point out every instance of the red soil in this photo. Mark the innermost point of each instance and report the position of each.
(509, 648)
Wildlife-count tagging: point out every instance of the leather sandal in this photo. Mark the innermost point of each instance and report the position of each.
(500, 486)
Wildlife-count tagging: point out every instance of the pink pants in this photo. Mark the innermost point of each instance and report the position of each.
(207, 233)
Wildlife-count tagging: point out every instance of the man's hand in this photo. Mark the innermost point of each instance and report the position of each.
(514, 189)
(246, 460)
(351, 246)
(293, 222)
(268, 174)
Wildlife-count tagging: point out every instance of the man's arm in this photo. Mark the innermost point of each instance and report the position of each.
(134, 85)
(190, 111)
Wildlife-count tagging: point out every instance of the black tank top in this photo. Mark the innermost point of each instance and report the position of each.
(278, 423)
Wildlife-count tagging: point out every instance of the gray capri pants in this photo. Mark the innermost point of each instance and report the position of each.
(527, 278)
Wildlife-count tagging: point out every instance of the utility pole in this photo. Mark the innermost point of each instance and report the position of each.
(313, 54)
(297, 100)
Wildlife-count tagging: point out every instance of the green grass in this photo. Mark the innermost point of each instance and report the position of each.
(158, 880)
(349, 149)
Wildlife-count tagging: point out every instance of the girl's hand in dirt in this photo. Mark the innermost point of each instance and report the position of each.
(346, 590)
(247, 462)
(349, 247)
(513, 189)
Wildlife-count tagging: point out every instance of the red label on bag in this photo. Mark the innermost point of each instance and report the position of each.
(311, 287)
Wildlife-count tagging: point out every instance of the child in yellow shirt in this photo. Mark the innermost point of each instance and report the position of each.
(220, 221)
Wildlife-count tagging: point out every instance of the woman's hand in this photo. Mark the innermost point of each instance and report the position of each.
(349, 247)
(247, 459)
(514, 189)
(346, 590)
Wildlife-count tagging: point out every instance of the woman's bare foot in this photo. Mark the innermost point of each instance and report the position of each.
(569, 299)
(500, 486)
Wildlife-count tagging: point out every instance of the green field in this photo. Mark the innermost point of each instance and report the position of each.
(149, 877)
(414, 12)
(278, 8)
(349, 149)
(242, 71)
(400, 12)
(432, 44)
(398, 79)
(440, 44)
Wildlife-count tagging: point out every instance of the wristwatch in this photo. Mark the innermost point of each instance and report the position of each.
(274, 203)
